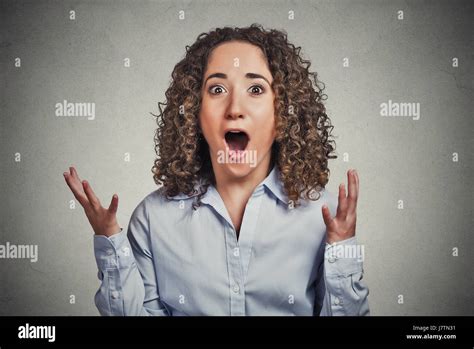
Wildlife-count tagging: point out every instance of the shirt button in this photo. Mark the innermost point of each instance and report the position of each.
(336, 301)
(331, 259)
(110, 252)
(115, 294)
(236, 252)
(236, 288)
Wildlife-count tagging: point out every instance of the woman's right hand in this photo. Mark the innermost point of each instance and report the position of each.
(102, 220)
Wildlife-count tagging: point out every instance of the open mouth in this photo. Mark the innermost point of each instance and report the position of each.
(236, 140)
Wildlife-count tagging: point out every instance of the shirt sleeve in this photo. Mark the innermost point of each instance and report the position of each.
(127, 272)
(340, 289)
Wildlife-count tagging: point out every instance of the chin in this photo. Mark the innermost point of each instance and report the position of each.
(238, 170)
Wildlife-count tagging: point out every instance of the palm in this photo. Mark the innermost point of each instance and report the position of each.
(343, 225)
(103, 220)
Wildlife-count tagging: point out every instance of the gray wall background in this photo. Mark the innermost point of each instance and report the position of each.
(408, 252)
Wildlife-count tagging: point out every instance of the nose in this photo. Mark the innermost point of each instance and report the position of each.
(235, 109)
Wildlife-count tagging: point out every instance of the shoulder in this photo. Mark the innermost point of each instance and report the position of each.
(158, 203)
(156, 196)
(149, 202)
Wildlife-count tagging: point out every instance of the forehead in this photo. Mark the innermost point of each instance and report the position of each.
(225, 56)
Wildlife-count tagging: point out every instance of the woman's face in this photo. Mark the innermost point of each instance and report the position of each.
(237, 111)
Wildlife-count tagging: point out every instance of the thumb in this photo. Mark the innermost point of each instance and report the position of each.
(113, 204)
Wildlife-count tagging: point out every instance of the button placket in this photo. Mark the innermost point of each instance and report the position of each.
(237, 293)
(236, 288)
(249, 228)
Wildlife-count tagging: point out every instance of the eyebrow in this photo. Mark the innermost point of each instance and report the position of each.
(248, 76)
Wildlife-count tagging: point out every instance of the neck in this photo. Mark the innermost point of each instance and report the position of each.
(238, 190)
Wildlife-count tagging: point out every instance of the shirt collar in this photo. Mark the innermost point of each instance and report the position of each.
(272, 182)
(275, 186)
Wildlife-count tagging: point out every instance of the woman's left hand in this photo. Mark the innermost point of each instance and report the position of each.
(343, 226)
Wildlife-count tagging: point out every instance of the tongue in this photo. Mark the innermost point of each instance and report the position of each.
(236, 141)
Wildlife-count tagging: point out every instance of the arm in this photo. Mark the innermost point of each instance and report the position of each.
(127, 272)
(340, 290)
(126, 267)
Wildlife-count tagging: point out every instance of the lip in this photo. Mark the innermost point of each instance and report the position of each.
(236, 129)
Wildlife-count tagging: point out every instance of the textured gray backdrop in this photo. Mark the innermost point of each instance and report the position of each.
(408, 251)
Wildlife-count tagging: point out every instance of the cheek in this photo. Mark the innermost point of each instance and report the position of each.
(204, 116)
(208, 126)
(266, 131)
(267, 123)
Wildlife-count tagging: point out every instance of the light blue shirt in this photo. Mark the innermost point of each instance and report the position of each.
(178, 261)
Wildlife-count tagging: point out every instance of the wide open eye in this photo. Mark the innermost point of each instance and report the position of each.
(236, 140)
(213, 89)
(257, 87)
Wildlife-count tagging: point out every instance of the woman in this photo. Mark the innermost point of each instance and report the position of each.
(241, 224)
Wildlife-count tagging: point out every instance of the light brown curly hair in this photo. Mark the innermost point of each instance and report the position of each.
(302, 145)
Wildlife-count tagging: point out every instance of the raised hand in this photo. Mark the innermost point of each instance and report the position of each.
(343, 226)
(103, 220)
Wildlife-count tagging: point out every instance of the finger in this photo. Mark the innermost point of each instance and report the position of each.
(352, 198)
(357, 181)
(73, 171)
(76, 189)
(75, 180)
(342, 202)
(90, 195)
(326, 216)
(113, 204)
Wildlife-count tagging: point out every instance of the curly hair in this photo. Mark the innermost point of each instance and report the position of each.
(302, 145)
